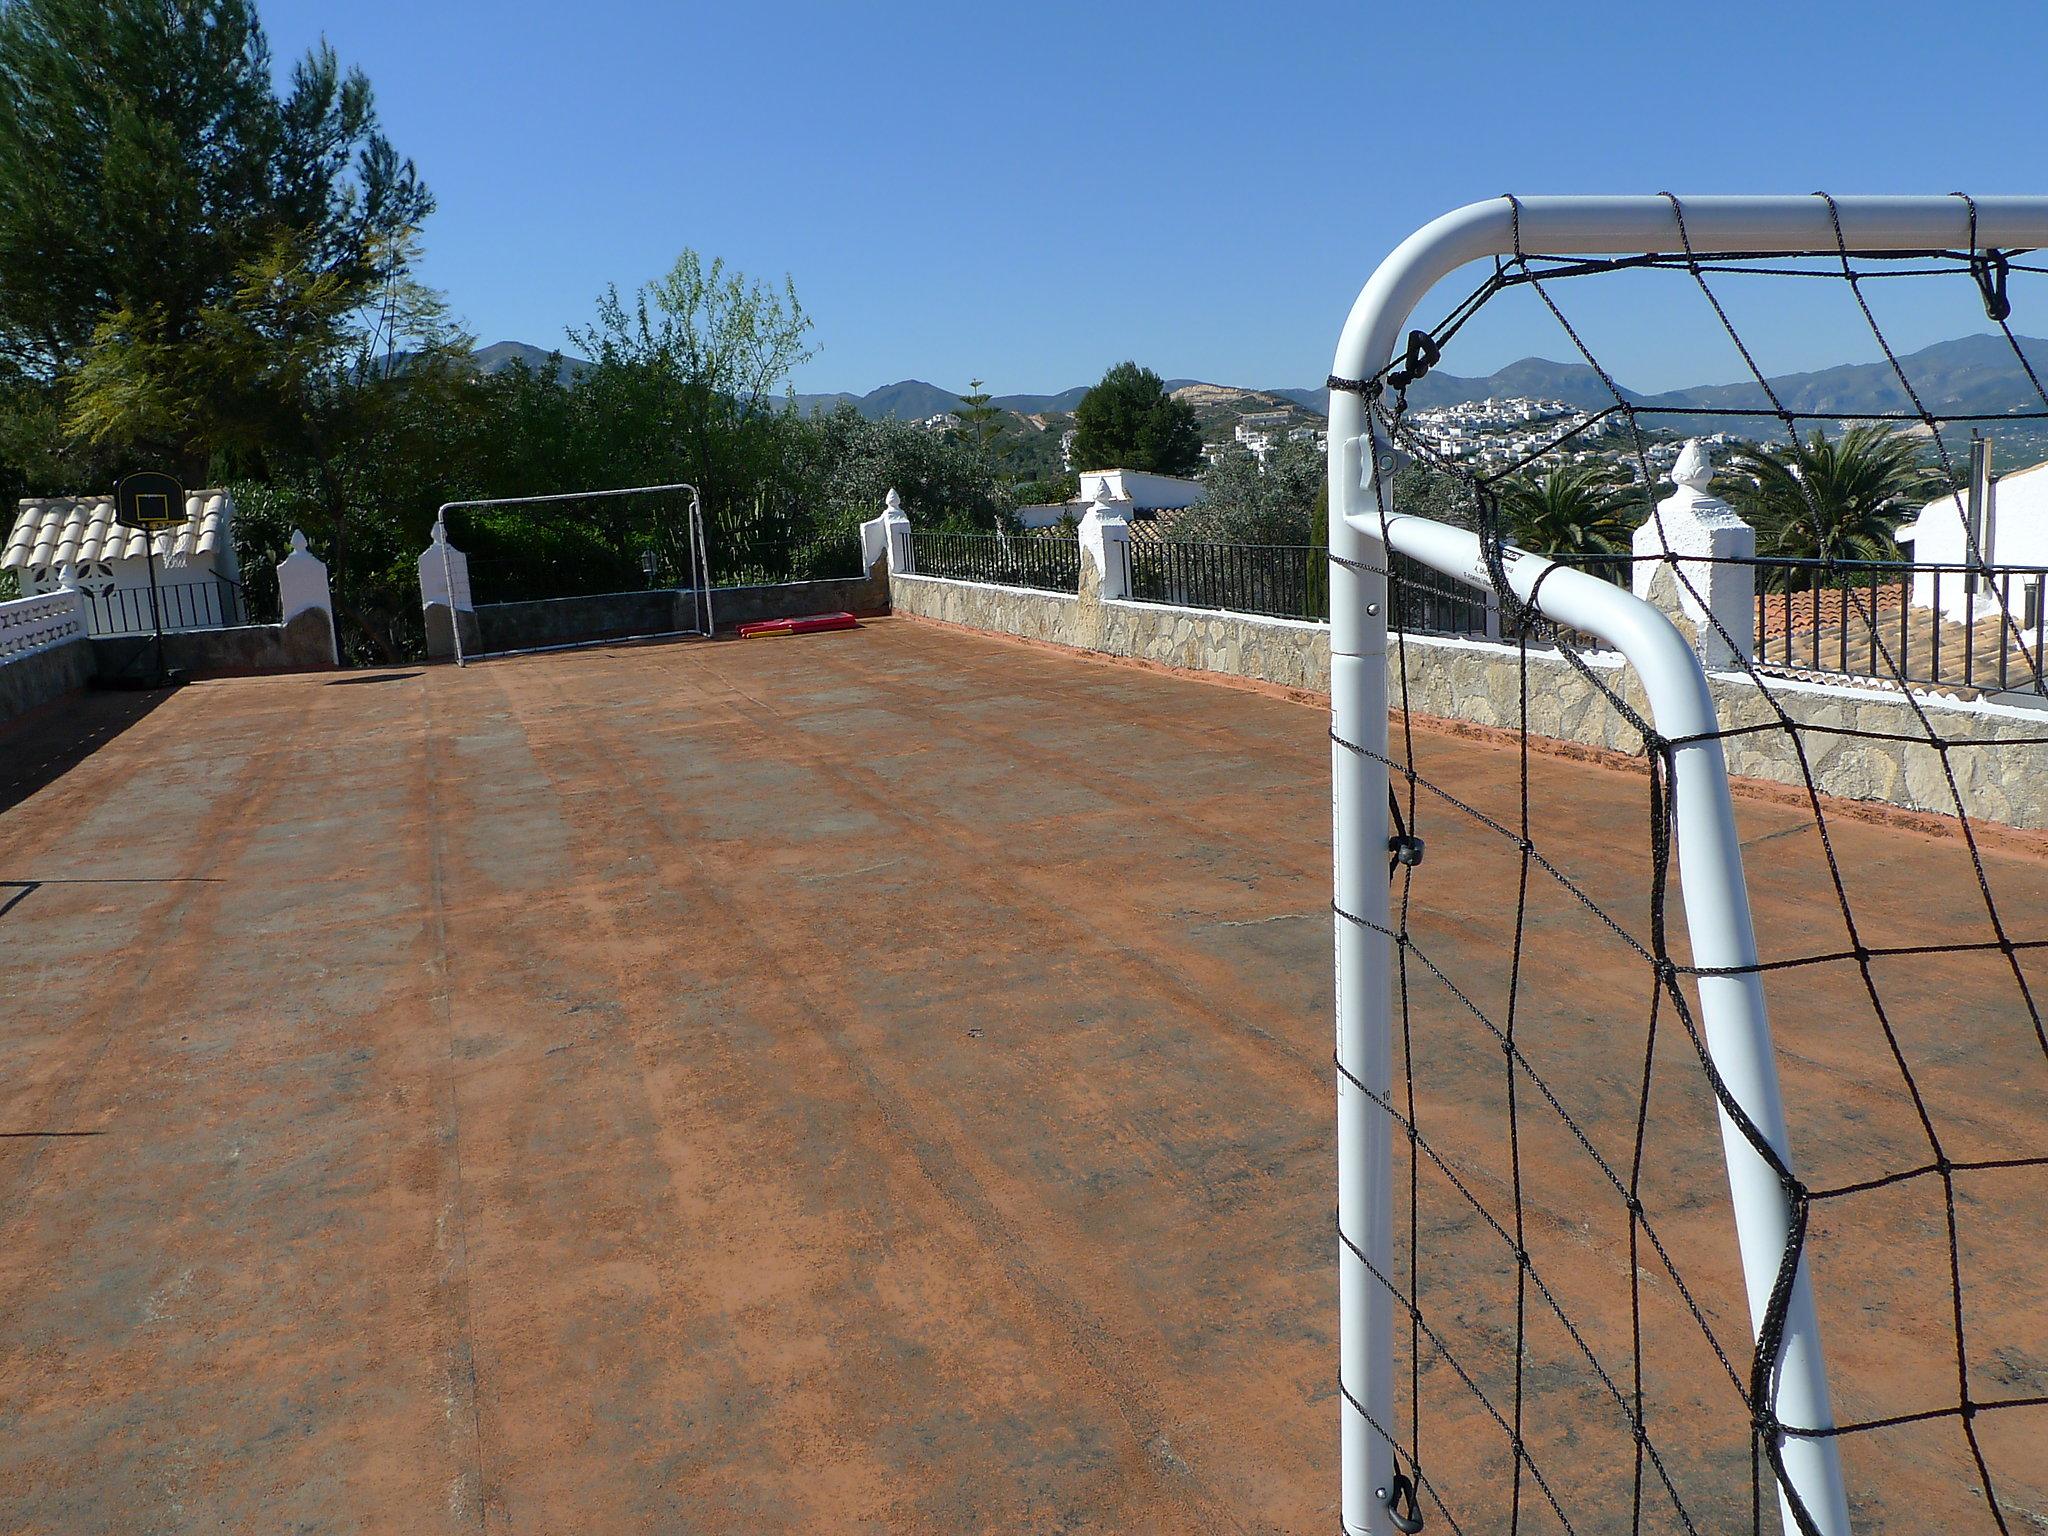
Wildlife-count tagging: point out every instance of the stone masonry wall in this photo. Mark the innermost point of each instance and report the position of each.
(1479, 681)
(304, 645)
(29, 681)
(1286, 652)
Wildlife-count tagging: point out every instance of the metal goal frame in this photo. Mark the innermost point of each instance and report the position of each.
(1365, 526)
(700, 563)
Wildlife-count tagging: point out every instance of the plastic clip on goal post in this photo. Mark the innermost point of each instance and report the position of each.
(1736, 1029)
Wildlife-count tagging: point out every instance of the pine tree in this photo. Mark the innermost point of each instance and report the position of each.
(1129, 421)
(980, 422)
(153, 173)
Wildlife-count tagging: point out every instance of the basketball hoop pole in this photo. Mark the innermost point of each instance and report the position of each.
(146, 499)
(156, 617)
(1735, 1025)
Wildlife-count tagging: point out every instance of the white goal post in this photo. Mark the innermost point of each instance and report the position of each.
(699, 588)
(1364, 526)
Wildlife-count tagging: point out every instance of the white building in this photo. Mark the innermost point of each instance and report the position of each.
(1145, 492)
(2015, 533)
(1258, 441)
(73, 542)
(1137, 494)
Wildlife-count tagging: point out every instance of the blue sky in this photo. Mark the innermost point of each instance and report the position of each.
(1029, 194)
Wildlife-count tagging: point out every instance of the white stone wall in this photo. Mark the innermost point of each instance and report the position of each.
(1479, 681)
(32, 625)
(1019, 611)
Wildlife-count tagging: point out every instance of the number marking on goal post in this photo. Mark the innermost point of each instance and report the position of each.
(1364, 526)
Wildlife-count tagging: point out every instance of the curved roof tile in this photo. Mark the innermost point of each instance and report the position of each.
(66, 530)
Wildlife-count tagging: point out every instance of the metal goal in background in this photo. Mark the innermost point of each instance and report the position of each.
(691, 611)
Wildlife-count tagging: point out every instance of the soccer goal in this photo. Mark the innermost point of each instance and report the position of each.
(1567, 1304)
(579, 568)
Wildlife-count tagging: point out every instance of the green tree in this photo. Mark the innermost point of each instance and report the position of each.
(980, 422)
(1282, 502)
(153, 175)
(1047, 490)
(685, 376)
(839, 467)
(1574, 509)
(336, 439)
(1427, 491)
(1129, 421)
(1831, 499)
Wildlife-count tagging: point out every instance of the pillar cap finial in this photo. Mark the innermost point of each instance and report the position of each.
(1694, 469)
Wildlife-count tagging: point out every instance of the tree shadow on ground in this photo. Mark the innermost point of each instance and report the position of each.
(46, 743)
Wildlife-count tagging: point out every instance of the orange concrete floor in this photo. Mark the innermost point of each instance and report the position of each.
(880, 1082)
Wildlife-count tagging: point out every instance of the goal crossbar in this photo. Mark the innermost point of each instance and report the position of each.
(1364, 526)
(700, 586)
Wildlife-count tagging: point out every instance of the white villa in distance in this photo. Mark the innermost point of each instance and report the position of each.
(73, 542)
(2014, 533)
(1139, 495)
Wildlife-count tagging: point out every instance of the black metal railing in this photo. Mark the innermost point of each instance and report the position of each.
(213, 602)
(1955, 626)
(1049, 562)
(1290, 581)
(1286, 581)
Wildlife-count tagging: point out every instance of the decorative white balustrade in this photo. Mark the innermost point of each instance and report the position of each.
(32, 625)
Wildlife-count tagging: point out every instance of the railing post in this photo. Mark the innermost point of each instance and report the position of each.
(302, 587)
(1105, 536)
(1714, 603)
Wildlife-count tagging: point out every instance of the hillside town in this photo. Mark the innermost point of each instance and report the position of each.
(1525, 432)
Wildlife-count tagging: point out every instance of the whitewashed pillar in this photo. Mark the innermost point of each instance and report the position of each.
(437, 575)
(887, 537)
(444, 595)
(1106, 539)
(302, 588)
(1698, 527)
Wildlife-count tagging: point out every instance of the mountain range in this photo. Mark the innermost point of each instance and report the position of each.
(500, 355)
(1971, 375)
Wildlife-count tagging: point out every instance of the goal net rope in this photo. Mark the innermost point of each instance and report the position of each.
(1573, 1349)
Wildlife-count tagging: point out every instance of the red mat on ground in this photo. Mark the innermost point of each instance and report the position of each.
(811, 624)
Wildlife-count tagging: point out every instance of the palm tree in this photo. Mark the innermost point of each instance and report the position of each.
(1576, 509)
(1839, 500)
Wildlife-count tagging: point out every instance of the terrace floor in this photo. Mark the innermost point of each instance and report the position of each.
(875, 1081)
